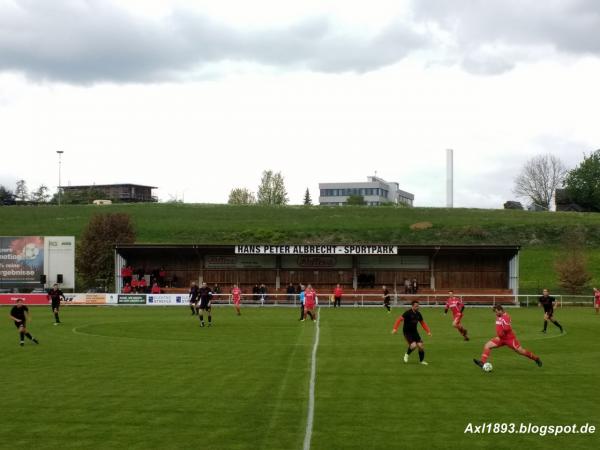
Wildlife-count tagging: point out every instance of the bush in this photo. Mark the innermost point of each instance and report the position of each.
(513, 205)
(571, 265)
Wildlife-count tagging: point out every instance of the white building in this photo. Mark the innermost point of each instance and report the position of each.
(375, 191)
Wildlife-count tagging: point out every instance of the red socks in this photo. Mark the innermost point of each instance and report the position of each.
(485, 355)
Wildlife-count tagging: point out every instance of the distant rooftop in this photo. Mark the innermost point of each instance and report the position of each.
(108, 185)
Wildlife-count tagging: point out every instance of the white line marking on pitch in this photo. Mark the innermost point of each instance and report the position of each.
(311, 392)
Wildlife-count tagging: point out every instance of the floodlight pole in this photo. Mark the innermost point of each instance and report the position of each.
(60, 152)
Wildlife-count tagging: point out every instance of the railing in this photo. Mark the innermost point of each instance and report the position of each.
(324, 300)
(362, 300)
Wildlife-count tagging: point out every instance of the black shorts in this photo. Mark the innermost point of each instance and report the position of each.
(205, 306)
(386, 301)
(549, 311)
(55, 305)
(20, 324)
(412, 337)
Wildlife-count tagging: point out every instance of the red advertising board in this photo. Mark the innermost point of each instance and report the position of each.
(28, 299)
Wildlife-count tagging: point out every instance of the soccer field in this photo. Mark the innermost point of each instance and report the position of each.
(150, 377)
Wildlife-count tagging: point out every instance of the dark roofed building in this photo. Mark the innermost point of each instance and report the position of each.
(127, 193)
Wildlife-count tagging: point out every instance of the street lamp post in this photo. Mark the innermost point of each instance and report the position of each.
(60, 152)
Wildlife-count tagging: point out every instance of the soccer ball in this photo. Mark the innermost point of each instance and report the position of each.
(487, 367)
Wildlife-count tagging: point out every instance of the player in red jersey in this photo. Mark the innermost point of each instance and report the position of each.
(505, 337)
(310, 301)
(337, 296)
(456, 305)
(236, 296)
(597, 300)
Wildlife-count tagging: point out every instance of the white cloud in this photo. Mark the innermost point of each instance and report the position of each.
(96, 41)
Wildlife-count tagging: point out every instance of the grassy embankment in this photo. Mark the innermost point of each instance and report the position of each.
(539, 233)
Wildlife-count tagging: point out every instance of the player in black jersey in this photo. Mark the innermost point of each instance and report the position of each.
(411, 318)
(194, 298)
(547, 301)
(19, 314)
(205, 296)
(194, 292)
(386, 299)
(55, 295)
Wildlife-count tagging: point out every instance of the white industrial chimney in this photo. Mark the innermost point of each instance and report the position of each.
(450, 178)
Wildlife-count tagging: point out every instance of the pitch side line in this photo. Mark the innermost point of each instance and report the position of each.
(311, 392)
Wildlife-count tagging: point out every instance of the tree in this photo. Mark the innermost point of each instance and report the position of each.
(271, 190)
(21, 193)
(539, 178)
(6, 196)
(83, 197)
(583, 183)
(511, 204)
(307, 199)
(356, 200)
(241, 196)
(571, 265)
(95, 252)
(40, 195)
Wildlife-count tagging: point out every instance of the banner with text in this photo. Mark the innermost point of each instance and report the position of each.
(239, 262)
(21, 259)
(316, 262)
(28, 299)
(167, 299)
(86, 299)
(131, 299)
(59, 258)
(316, 249)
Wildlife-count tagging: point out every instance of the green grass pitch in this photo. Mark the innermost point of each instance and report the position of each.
(139, 378)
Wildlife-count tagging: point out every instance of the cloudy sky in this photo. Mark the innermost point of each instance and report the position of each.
(200, 97)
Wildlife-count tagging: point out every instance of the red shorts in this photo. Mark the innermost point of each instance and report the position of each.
(457, 318)
(236, 302)
(597, 303)
(510, 341)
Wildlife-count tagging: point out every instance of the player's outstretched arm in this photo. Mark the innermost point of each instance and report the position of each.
(397, 324)
(425, 327)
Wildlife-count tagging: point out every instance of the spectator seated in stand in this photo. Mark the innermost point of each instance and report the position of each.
(126, 274)
(155, 288)
(127, 289)
(135, 285)
(142, 285)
